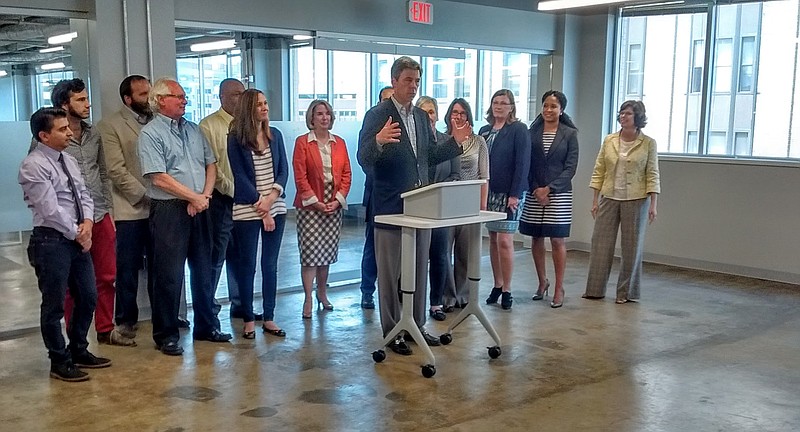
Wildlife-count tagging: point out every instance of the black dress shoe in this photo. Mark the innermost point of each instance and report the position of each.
(170, 348)
(367, 303)
(438, 314)
(400, 346)
(182, 323)
(430, 339)
(68, 372)
(88, 360)
(214, 336)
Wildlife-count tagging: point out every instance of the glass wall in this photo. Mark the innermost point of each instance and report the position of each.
(728, 97)
(200, 77)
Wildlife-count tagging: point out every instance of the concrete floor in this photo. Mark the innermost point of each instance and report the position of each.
(700, 352)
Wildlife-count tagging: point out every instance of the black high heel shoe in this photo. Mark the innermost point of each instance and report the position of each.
(324, 305)
(540, 294)
(306, 316)
(494, 295)
(506, 301)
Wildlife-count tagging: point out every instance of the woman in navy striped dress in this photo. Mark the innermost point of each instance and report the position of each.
(548, 206)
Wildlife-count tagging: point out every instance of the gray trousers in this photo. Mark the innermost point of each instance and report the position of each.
(388, 257)
(460, 243)
(629, 217)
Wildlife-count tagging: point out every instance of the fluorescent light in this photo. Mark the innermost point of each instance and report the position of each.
(567, 4)
(3, 73)
(236, 52)
(52, 66)
(52, 49)
(210, 46)
(647, 5)
(62, 38)
(302, 37)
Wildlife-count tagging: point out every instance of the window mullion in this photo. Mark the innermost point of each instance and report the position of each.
(708, 66)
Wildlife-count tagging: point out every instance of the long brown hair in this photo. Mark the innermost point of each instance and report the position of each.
(245, 123)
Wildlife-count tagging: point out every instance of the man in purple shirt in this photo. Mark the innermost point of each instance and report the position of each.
(62, 208)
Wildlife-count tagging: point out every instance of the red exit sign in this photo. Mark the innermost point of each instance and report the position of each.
(420, 12)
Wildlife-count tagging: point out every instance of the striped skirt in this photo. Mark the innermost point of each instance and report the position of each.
(554, 220)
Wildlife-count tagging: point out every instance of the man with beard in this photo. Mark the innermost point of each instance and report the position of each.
(84, 146)
(120, 133)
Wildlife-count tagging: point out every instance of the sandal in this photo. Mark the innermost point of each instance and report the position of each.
(274, 332)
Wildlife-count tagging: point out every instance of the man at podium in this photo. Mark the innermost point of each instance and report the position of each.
(398, 143)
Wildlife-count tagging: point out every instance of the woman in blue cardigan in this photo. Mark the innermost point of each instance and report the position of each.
(509, 160)
(260, 171)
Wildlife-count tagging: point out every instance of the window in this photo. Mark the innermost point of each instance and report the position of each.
(698, 55)
(513, 71)
(747, 64)
(350, 85)
(200, 77)
(635, 69)
(723, 66)
(752, 108)
(309, 80)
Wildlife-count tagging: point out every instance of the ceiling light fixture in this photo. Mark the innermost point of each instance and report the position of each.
(53, 66)
(302, 37)
(568, 4)
(62, 38)
(3, 73)
(53, 49)
(211, 46)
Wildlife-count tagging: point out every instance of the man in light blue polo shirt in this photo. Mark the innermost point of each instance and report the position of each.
(181, 167)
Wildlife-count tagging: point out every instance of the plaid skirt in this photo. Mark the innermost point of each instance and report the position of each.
(318, 234)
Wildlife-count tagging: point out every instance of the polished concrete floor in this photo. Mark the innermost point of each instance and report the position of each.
(700, 352)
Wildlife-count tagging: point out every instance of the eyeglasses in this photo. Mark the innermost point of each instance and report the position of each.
(458, 114)
(181, 97)
(501, 103)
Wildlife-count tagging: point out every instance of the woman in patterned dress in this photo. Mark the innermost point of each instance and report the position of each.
(322, 175)
(260, 171)
(509, 147)
(548, 205)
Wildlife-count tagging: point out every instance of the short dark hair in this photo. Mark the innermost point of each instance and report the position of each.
(126, 84)
(42, 120)
(464, 104)
(63, 91)
(380, 93)
(639, 112)
(403, 63)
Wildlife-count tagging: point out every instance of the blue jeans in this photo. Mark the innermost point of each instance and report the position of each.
(59, 263)
(369, 268)
(245, 240)
(133, 245)
(178, 237)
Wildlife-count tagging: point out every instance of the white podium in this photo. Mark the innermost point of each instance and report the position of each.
(437, 206)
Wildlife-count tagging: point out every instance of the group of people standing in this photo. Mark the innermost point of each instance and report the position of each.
(148, 187)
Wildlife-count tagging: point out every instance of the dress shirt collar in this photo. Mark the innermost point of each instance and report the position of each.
(48, 151)
(313, 137)
(224, 115)
(403, 110)
(171, 123)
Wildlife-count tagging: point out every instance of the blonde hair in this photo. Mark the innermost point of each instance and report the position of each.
(310, 113)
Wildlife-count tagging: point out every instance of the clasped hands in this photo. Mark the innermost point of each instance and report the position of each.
(198, 204)
(326, 208)
(84, 237)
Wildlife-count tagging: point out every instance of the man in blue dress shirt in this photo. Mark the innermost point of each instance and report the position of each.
(62, 208)
(181, 167)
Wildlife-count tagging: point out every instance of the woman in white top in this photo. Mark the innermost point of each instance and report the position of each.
(626, 185)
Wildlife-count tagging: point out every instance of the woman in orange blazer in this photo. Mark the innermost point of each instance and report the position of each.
(322, 175)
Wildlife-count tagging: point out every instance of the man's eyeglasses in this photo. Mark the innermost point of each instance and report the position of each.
(181, 97)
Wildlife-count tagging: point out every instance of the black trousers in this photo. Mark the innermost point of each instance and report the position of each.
(178, 237)
(60, 263)
(133, 245)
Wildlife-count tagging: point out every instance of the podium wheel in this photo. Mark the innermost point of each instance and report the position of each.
(494, 352)
(378, 356)
(428, 371)
(446, 338)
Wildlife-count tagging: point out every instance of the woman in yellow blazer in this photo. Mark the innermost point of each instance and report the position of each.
(626, 184)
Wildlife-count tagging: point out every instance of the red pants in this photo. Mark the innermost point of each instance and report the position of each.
(104, 258)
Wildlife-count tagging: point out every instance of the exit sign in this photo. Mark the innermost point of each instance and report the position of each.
(420, 12)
